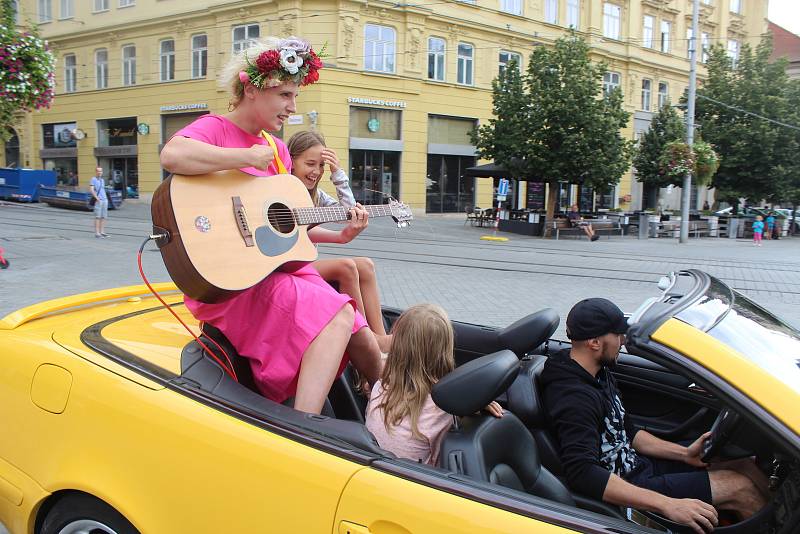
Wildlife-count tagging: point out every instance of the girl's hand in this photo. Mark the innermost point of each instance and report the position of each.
(329, 157)
(359, 220)
(495, 409)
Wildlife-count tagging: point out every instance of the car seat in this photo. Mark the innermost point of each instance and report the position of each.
(500, 451)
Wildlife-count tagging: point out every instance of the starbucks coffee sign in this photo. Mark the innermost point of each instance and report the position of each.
(376, 102)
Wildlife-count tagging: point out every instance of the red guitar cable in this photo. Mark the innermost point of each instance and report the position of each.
(227, 368)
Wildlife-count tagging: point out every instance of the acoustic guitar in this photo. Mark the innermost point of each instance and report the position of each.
(226, 231)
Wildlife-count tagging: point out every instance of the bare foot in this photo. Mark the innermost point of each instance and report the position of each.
(384, 342)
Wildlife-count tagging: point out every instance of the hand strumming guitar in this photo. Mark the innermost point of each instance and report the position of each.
(258, 156)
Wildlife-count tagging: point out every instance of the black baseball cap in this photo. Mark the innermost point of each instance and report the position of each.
(595, 317)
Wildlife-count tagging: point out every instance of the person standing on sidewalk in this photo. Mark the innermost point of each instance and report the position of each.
(758, 230)
(98, 190)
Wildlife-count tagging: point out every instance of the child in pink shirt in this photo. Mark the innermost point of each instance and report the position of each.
(400, 413)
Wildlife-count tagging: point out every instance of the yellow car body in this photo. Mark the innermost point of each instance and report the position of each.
(92, 401)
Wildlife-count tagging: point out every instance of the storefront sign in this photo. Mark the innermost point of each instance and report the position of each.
(373, 125)
(115, 151)
(143, 128)
(56, 153)
(376, 102)
(58, 135)
(183, 107)
(295, 119)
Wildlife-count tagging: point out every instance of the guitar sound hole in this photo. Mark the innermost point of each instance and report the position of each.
(281, 218)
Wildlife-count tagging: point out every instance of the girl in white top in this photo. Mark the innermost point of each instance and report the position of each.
(355, 276)
(401, 414)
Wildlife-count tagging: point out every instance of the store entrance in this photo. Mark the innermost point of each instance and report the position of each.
(374, 175)
(123, 175)
(448, 189)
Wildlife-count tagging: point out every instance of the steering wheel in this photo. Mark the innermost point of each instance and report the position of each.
(721, 432)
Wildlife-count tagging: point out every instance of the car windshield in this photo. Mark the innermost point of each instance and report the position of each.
(750, 329)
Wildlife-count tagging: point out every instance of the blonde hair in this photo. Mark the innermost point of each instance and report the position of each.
(759, 218)
(299, 143)
(421, 353)
(229, 76)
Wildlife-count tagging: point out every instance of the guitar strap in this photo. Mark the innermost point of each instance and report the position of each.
(278, 162)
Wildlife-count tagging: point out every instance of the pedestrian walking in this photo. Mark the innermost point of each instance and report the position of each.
(758, 229)
(770, 224)
(97, 188)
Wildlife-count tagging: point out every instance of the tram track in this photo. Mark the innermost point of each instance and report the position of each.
(472, 261)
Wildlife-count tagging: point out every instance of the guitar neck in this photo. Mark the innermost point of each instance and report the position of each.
(336, 213)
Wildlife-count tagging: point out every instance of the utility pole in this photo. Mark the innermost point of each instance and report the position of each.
(686, 191)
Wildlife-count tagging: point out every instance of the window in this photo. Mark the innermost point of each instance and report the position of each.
(465, 52)
(506, 57)
(379, 48)
(45, 10)
(647, 31)
(736, 6)
(551, 11)
(199, 56)
(129, 65)
(70, 73)
(611, 19)
(666, 28)
(689, 43)
(127, 3)
(167, 60)
(646, 87)
(663, 94)
(244, 36)
(100, 5)
(610, 82)
(573, 13)
(15, 9)
(101, 68)
(436, 59)
(67, 9)
(511, 6)
(705, 43)
(733, 51)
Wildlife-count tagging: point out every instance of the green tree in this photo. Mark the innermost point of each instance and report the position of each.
(558, 126)
(666, 127)
(756, 155)
(26, 70)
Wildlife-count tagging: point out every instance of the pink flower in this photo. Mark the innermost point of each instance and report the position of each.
(244, 77)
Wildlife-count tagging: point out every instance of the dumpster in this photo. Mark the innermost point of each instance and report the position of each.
(23, 184)
(64, 196)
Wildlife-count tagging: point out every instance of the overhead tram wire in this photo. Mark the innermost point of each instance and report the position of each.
(740, 110)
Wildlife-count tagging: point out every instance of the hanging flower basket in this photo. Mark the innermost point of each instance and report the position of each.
(676, 161)
(27, 78)
(706, 162)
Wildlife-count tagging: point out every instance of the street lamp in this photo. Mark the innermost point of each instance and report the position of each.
(686, 193)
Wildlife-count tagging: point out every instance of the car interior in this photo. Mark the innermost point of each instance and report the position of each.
(518, 451)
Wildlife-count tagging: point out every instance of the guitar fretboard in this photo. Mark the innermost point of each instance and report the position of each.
(336, 213)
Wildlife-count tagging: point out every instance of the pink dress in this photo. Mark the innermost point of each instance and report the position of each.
(433, 424)
(273, 322)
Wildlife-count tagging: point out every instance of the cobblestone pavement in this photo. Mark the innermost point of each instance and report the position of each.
(439, 259)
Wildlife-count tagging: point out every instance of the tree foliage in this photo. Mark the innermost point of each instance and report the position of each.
(665, 128)
(554, 124)
(26, 70)
(757, 157)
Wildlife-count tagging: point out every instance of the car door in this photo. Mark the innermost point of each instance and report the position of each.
(661, 401)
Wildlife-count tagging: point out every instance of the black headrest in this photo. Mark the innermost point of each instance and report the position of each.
(524, 398)
(475, 384)
(529, 332)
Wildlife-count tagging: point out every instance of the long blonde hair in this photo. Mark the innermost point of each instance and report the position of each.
(299, 143)
(421, 353)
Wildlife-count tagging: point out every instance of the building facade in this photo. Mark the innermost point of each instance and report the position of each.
(403, 84)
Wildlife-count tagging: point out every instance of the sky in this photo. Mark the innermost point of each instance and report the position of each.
(785, 13)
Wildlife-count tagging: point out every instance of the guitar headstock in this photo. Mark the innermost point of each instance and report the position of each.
(401, 213)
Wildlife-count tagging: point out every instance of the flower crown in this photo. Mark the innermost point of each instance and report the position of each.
(292, 61)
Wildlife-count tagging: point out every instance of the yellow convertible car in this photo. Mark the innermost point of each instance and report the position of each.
(114, 420)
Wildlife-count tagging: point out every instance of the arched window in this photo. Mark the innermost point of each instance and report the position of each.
(12, 150)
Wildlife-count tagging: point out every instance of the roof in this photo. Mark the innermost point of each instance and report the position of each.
(784, 43)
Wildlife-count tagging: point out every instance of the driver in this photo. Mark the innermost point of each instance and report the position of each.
(606, 458)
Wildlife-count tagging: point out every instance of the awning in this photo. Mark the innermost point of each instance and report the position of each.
(489, 170)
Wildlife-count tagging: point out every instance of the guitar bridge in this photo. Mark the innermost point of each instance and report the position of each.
(240, 214)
